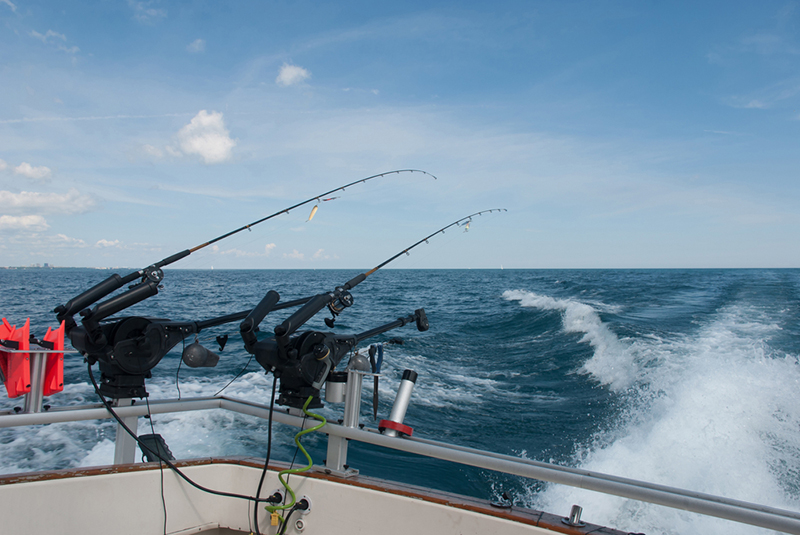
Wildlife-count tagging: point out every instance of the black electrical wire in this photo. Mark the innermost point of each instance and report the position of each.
(169, 463)
(178, 373)
(269, 451)
(294, 508)
(160, 465)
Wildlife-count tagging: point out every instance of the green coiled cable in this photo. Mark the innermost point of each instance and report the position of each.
(271, 509)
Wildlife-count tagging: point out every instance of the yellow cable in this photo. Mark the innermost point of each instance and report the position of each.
(272, 509)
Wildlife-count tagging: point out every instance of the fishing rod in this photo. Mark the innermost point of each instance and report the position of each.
(256, 315)
(152, 276)
(317, 198)
(132, 346)
(195, 355)
(465, 220)
(341, 298)
(303, 361)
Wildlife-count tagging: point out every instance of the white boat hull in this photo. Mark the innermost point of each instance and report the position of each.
(127, 500)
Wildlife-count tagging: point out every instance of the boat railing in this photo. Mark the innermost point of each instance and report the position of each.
(339, 433)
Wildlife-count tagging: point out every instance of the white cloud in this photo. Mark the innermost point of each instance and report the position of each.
(69, 49)
(143, 12)
(291, 75)
(207, 137)
(88, 118)
(53, 38)
(104, 244)
(239, 253)
(756, 104)
(172, 151)
(36, 173)
(71, 241)
(772, 96)
(198, 45)
(71, 202)
(155, 152)
(3, 165)
(46, 37)
(320, 255)
(24, 222)
(297, 255)
(9, 4)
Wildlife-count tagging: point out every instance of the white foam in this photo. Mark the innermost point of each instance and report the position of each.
(613, 361)
(100, 455)
(713, 412)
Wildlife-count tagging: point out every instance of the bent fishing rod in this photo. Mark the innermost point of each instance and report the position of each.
(336, 300)
(129, 348)
(257, 315)
(152, 275)
(303, 361)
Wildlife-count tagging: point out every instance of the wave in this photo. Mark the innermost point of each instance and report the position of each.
(713, 411)
(613, 362)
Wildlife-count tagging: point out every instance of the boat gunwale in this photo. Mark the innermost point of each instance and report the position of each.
(515, 514)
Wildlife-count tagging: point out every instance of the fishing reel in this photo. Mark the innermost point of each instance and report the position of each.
(127, 349)
(343, 299)
(303, 364)
(303, 361)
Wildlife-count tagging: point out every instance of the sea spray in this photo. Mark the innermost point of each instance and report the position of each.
(708, 412)
(612, 363)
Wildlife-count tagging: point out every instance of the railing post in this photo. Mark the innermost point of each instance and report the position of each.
(336, 462)
(125, 444)
(35, 398)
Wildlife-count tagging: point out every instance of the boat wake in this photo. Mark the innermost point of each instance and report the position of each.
(713, 411)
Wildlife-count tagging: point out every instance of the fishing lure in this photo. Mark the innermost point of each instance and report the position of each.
(316, 207)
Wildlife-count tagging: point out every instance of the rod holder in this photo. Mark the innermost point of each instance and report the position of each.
(352, 398)
(574, 518)
(394, 425)
(336, 391)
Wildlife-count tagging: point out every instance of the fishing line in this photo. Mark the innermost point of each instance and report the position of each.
(237, 376)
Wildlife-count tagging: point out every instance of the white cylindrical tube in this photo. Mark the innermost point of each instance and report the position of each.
(335, 387)
(401, 401)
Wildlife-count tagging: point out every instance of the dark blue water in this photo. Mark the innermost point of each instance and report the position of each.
(683, 377)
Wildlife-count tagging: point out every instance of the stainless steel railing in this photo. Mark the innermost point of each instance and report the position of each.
(738, 511)
(705, 504)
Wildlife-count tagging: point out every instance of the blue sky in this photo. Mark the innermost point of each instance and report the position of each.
(617, 134)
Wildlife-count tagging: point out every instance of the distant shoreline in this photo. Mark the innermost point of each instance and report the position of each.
(43, 268)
